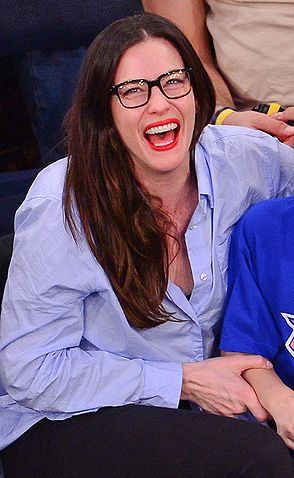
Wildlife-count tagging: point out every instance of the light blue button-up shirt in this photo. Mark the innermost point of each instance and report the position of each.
(65, 344)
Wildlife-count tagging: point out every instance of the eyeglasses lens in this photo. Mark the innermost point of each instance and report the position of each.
(176, 84)
(133, 93)
(173, 85)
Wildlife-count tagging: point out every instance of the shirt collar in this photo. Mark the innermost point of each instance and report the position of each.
(203, 175)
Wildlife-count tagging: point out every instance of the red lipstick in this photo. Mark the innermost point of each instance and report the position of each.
(160, 139)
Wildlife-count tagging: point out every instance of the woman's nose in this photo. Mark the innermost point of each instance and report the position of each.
(157, 102)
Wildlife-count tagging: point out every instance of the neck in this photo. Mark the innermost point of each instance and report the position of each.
(168, 186)
(179, 196)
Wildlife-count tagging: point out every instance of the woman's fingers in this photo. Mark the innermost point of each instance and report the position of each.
(217, 385)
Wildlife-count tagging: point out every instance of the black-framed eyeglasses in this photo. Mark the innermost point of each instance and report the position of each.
(172, 84)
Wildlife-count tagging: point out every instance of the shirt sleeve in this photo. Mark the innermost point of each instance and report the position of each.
(42, 363)
(248, 325)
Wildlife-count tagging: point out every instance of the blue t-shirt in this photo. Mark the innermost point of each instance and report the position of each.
(259, 317)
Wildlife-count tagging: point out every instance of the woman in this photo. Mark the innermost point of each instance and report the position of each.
(106, 324)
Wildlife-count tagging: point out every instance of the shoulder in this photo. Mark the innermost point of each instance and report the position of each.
(43, 205)
(247, 151)
(50, 182)
(244, 159)
(226, 137)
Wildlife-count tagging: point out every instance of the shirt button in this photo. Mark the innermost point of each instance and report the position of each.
(194, 226)
(203, 277)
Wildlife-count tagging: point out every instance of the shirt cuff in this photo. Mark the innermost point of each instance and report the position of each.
(162, 384)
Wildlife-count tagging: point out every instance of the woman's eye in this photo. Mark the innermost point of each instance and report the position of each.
(174, 82)
(132, 91)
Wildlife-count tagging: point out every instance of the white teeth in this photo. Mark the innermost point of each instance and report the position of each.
(161, 129)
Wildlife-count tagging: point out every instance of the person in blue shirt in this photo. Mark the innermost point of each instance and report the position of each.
(110, 317)
(259, 316)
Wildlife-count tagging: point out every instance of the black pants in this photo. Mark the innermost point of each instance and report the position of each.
(147, 442)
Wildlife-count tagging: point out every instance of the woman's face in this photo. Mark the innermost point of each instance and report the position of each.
(154, 152)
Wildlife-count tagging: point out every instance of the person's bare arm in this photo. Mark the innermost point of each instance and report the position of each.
(275, 125)
(190, 17)
(275, 397)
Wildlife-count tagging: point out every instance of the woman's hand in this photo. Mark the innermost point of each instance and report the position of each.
(217, 386)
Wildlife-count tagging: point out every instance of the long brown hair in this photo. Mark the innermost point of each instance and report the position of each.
(124, 226)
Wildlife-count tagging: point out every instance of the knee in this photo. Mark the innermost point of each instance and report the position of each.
(269, 455)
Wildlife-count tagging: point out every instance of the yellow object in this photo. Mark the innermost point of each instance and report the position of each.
(223, 115)
(273, 108)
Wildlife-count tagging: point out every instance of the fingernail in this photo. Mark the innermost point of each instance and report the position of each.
(278, 116)
(269, 364)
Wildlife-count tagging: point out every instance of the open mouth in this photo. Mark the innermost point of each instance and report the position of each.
(163, 135)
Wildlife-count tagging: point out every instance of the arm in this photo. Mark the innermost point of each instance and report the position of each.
(277, 399)
(190, 17)
(43, 362)
(275, 125)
